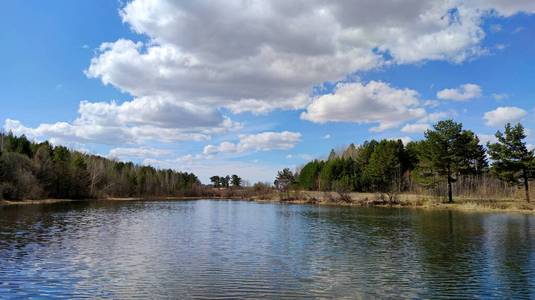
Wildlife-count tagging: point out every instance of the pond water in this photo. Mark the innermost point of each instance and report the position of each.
(240, 249)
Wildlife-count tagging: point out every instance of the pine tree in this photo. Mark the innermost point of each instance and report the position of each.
(285, 179)
(449, 151)
(512, 161)
(216, 181)
(308, 177)
(332, 155)
(385, 167)
(236, 181)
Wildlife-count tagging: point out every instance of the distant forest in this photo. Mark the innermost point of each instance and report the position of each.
(31, 170)
(449, 159)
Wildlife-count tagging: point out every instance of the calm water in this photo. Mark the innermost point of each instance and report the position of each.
(231, 249)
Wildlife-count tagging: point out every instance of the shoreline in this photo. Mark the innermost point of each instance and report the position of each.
(468, 207)
(412, 201)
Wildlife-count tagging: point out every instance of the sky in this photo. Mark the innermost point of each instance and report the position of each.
(249, 87)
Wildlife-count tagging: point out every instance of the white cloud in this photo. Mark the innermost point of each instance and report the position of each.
(505, 8)
(375, 102)
(404, 139)
(205, 167)
(432, 103)
(132, 122)
(158, 111)
(416, 128)
(462, 93)
(437, 116)
(264, 55)
(502, 115)
(327, 136)
(141, 152)
(264, 141)
(302, 156)
(487, 138)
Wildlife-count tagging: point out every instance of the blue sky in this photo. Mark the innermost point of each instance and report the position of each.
(252, 87)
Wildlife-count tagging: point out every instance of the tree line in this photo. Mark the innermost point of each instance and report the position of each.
(447, 153)
(30, 170)
(226, 181)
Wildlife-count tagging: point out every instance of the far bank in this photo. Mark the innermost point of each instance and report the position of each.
(334, 199)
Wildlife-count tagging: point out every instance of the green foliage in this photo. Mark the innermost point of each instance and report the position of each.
(308, 177)
(216, 181)
(284, 180)
(513, 162)
(385, 168)
(343, 186)
(226, 181)
(449, 151)
(17, 177)
(236, 181)
(337, 169)
(38, 170)
(358, 168)
(365, 152)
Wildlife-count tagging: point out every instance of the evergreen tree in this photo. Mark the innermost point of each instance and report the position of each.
(448, 151)
(385, 167)
(216, 181)
(236, 181)
(224, 181)
(38, 170)
(308, 177)
(332, 155)
(284, 180)
(350, 152)
(512, 161)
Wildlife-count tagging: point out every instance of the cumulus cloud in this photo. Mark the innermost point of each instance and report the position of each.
(375, 102)
(437, 116)
(404, 139)
(142, 152)
(264, 141)
(260, 56)
(200, 58)
(205, 167)
(487, 138)
(462, 93)
(505, 8)
(503, 115)
(132, 122)
(416, 128)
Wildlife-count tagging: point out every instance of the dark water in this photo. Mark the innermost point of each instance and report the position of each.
(226, 249)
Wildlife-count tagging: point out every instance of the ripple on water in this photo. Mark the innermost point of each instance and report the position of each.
(228, 250)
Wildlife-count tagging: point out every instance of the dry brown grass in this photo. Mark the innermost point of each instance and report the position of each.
(416, 201)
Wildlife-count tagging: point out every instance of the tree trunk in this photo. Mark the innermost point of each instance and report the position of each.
(450, 192)
(526, 185)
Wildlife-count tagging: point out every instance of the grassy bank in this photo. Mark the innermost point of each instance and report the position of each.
(27, 202)
(332, 198)
(400, 200)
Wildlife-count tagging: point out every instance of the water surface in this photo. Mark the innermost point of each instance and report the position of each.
(238, 249)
